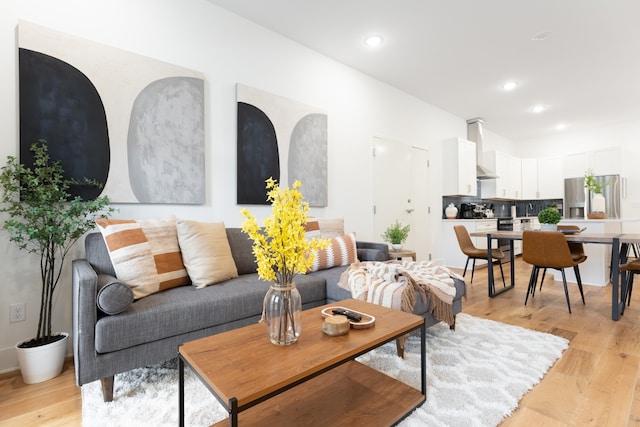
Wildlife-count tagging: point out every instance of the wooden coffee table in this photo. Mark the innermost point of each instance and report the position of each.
(314, 382)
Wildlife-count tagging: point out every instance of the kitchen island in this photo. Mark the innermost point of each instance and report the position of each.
(596, 269)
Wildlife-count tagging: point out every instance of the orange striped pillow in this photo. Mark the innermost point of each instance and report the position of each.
(341, 251)
(145, 254)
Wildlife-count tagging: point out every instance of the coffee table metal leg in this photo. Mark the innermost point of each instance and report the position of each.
(423, 356)
(233, 412)
(181, 391)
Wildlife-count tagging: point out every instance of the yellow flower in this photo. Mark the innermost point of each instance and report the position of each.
(281, 249)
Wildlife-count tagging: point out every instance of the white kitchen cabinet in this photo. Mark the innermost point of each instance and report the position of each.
(509, 182)
(606, 161)
(529, 179)
(459, 168)
(550, 178)
(542, 178)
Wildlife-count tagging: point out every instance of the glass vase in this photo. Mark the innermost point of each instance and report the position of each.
(283, 314)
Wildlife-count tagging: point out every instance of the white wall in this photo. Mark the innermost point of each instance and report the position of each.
(227, 49)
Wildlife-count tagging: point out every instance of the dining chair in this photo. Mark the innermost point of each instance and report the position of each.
(577, 251)
(631, 268)
(548, 249)
(472, 252)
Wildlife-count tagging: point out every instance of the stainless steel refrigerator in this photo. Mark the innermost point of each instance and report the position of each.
(577, 199)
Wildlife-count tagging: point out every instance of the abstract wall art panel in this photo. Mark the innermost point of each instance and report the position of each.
(282, 139)
(133, 123)
(258, 157)
(75, 125)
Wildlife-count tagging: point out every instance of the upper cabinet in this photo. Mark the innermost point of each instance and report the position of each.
(508, 185)
(606, 161)
(542, 178)
(550, 178)
(459, 168)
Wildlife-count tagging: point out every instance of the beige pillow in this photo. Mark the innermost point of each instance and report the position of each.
(331, 227)
(206, 252)
(145, 253)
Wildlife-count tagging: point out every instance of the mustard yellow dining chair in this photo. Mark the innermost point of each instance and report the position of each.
(472, 252)
(548, 249)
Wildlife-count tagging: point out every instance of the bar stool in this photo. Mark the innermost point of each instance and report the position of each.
(548, 249)
(469, 249)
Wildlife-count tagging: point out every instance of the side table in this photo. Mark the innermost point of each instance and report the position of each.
(402, 253)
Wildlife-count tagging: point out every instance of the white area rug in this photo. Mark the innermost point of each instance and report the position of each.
(475, 377)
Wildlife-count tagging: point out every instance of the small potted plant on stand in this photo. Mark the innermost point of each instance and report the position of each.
(396, 235)
(549, 218)
(45, 220)
(598, 203)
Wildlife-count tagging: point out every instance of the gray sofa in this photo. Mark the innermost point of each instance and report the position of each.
(150, 330)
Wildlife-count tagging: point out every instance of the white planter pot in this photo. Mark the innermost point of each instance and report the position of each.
(598, 203)
(549, 227)
(42, 363)
(396, 246)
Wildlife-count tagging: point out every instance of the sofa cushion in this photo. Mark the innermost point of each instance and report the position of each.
(113, 295)
(242, 251)
(145, 253)
(187, 309)
(206, 252)
(341, 251)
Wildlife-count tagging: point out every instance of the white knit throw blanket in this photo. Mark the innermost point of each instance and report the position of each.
(394, 284)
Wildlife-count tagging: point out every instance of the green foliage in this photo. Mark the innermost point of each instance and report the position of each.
(44, 219)
(591, 184)
(550, 215)
(396, 233)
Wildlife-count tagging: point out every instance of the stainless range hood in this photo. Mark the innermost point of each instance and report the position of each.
(474, 133)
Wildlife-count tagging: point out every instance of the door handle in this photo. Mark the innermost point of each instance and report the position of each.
(409, 210)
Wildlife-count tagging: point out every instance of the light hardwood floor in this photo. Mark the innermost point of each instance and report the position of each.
(595, 383)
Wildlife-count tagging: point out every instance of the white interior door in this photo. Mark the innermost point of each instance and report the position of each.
(400, 191)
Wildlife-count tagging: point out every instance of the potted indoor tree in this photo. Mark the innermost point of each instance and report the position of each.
(396, 234)
(549, 218)
(44, 219)
(598, 204)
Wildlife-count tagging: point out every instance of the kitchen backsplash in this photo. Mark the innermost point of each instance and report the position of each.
(502, 208)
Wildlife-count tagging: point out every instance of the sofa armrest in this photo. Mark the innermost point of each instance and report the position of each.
(85, 316)
(371, 251)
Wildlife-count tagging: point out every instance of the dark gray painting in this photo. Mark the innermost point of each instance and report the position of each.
(308, 158)
(58, 103)
(257, 156)
(165, 144)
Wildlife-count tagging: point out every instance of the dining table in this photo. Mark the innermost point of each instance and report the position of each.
(619, 251)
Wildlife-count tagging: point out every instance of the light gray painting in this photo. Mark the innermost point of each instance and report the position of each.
(166, 142)
(308, 158)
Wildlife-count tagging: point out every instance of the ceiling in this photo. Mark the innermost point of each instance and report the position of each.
(456, 54)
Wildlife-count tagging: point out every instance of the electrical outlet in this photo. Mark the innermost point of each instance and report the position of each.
(17, 312)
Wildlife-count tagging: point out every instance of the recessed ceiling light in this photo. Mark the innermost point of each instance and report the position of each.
(373, 41)
(509, 85)
(542, 35)
(538, 108)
